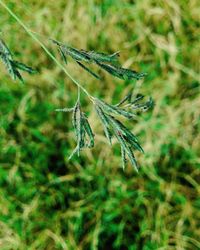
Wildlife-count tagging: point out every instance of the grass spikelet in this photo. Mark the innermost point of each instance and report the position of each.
(23, 67)
(105, 123)
(111, 109)
(125, 146)
(102, 57)
(88, 130)
(127, 98)
(78, 127)
(11, 65)
(127, 134)
(82, 128)
(88, 70)
(122, 73)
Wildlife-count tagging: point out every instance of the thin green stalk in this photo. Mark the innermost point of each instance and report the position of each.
(46, 50)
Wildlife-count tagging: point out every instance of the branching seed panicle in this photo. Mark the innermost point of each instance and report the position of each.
(109, 114)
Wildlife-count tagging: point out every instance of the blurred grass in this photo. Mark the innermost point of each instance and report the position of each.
(90, 203)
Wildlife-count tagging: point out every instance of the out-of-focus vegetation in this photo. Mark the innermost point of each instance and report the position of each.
(47, 202)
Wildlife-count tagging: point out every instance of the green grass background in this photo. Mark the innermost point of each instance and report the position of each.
(49, 203)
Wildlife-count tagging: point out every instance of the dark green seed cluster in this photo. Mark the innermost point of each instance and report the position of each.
(108, 63)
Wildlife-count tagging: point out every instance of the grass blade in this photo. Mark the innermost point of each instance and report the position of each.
(88, 130)
(88, 70)
(23, 67)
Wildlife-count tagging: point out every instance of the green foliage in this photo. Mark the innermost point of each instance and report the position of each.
(50, 203)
